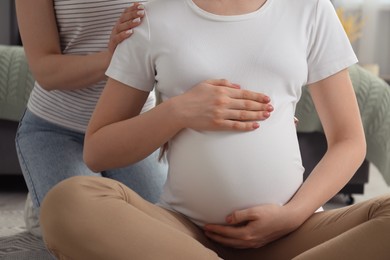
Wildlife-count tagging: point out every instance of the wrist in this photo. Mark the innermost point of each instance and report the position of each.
(170, 110)
(298, 214)
(176, 112)
(105, 57)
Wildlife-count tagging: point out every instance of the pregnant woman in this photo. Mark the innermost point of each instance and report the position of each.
(234, 187)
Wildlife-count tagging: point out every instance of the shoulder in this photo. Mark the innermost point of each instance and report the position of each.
(160, 11)
(307, 5)
(298, 4)
(317, 6)
(296, 7)
(308, 10)
(161, 5)
(301, 11)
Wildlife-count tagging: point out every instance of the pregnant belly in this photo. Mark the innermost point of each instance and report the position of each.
(211, 174)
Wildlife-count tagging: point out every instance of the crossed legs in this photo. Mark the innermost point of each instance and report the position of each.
(99, 218)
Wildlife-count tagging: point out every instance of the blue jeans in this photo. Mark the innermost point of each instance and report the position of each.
(49, 153)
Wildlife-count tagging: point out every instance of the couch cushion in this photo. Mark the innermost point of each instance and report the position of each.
(16, 82)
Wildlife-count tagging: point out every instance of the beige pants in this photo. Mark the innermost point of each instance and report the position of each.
(97, 218)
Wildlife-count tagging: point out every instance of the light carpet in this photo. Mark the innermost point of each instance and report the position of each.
(15, 242)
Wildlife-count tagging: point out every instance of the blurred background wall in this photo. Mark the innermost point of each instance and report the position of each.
(9, 34)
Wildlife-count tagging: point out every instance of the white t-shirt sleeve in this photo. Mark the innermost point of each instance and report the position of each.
(330, 50)
(131, 63)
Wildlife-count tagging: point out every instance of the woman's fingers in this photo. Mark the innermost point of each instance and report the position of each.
(123, 29)
(238, 125)
(234, 91)
(239, 104)
(249, 105)
(245, 115)
(248, 95)
(218, 104)
(223, 83)
(240, 120)
(130, 18)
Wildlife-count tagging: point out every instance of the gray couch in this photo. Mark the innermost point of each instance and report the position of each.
(16, 83)
(9, 164)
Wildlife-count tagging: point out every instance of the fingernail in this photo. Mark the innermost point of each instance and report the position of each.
(129, 31)
(137, 20)
(141, 12)
(229, 218)
(140, 7)
(270, 108)
(255, 126)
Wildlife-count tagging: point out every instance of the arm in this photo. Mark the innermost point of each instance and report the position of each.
(52, 69)
(337, 108)
(118, 135)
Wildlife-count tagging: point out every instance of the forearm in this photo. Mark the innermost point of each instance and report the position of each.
(52, 68)
(41, 41)
(70, 72)
(331, 174)
(137, 138)
(338, 110)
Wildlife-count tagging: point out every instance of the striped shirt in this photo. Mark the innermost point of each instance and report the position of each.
(84, 27)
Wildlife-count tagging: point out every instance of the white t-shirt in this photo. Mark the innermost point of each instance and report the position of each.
(274, 50)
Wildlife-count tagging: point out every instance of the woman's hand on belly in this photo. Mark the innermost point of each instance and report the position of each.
(218, 104)
(253, 227)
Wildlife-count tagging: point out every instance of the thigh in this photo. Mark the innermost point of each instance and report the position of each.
(48, 154)
(320, 228)
(116, 224)
(146, 177)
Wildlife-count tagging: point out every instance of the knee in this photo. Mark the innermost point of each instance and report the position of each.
(63, 204)
(71, 200)
(381, 206)
(64, 193)
(57, 195)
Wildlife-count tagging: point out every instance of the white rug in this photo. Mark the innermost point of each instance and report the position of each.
(15, 242)
(23, 246)
(11, 222)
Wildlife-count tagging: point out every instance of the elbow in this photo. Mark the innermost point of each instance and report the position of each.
(42, 76)
(360, 145)
(91, 160)
(362, 148)
(45, 83)
(358, 148)
(354, 147)
(47, 70)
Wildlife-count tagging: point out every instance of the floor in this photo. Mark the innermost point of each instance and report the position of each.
(376, 186)
(13, 194)
(15, 242)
